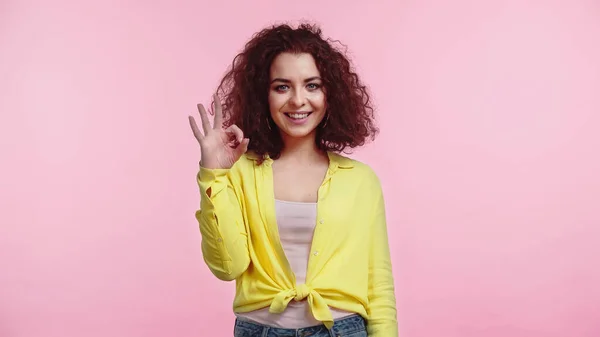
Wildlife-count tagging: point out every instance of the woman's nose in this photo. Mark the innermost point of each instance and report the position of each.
(298, 99)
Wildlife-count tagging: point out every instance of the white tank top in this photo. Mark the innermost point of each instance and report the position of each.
(296, 222)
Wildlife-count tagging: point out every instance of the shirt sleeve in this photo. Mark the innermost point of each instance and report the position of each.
(221, 221)
(382, 320)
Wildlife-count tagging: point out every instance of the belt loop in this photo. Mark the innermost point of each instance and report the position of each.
(265, 331)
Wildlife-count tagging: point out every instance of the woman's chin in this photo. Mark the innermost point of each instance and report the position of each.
(299, 132)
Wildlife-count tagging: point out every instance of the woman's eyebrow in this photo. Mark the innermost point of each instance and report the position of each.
(283, 80)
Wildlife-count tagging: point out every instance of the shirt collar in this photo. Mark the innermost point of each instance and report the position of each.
(340, 161)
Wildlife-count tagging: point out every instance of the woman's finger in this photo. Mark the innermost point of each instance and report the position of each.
(204, 117)
(195, 130)
(242, 147)
(218, 123)
(237, 132)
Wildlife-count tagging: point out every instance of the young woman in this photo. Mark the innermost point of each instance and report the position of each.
(300, 227)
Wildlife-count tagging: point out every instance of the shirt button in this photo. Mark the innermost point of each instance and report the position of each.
(316, 253)
(219, 239)
(321, 221)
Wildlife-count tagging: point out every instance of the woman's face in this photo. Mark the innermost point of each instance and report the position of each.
(297, 99)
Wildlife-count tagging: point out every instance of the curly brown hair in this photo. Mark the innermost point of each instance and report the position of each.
(349, 120)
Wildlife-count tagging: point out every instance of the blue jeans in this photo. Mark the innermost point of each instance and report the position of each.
(351, 326)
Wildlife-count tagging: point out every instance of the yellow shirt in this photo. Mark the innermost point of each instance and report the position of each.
(349, 266)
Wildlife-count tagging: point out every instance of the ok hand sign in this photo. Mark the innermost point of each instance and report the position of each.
(220, 148)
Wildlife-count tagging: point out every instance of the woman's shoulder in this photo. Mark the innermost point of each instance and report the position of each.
(355, 169)
(245, 164)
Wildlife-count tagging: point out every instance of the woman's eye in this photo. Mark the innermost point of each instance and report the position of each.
(281, 87)
(313, 86)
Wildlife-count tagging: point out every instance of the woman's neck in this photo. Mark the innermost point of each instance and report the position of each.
(302, 150)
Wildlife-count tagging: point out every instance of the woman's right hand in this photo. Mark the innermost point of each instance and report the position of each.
(220, 148)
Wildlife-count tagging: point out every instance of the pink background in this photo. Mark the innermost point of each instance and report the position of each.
(488, 153)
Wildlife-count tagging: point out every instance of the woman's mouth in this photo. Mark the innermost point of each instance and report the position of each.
(298, 117)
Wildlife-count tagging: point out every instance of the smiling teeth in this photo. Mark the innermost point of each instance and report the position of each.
(298, 116)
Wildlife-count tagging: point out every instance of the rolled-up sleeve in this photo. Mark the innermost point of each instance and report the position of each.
(221, 221)
(382, 320)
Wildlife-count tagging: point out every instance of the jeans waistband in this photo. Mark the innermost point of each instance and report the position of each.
(347, 325)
